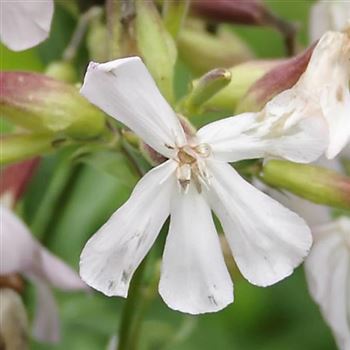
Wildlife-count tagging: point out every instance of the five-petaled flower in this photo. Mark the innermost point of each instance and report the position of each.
(267, 240)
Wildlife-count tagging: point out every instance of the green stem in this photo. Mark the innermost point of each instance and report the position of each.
(132, 314)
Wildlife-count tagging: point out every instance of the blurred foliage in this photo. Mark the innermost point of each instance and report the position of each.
(69, 199)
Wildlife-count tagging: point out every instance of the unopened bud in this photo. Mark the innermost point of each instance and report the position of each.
(249, 12)
(317, 184)
(14, 322)
(63, 71)
(156, 46)
(40, 103)
(174, 13)
(97, 41)
(243, 76)
(205, 88)
(202, 51)
(281, 77)
(14, 179)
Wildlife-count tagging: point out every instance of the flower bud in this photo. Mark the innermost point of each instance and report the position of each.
(174, 13)
(281, 77)
(250, 12)
(243, 76)
(40, 103)
(97, 41)
(317, 184)
(63, 71)
(14, 179)
(15, 148)
(156, 46)
(205, 88)
(223, 49)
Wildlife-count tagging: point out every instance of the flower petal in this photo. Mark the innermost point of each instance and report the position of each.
(267, 240)
(125, 90)
(266, 134)
(22, 253)
(328, 15)
(194, 277)
(46, 324)
(25, 24)
(112, 255)
(328, 275)
(18, 248)
(56, 273)
(326, 80)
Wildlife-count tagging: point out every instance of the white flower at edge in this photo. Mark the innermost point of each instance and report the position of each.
(328, 276)
(267, 240)
(322, 91)
(328, 265)
(21, 253)
(328, 15)
(25, 23)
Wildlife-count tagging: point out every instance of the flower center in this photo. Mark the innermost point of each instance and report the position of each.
(192, 166)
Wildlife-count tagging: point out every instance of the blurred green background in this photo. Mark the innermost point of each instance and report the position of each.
(66, 203)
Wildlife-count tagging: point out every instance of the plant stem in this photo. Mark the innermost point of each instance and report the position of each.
(130, 322)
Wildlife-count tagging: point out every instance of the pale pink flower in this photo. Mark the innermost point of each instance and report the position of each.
(22, 254)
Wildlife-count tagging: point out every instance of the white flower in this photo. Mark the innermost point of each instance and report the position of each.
(267, 240)
(21, 253)
(328, 265)
(328, 275)
(321, 92)
(328, 15)
(25, 23)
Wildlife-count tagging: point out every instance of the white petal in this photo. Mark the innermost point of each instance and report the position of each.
(266, 134)
(194, 277)
(125, 90)
(326, 80)
(112, 255)
(25, 24)
(328, 275)
(46, 324)
(18, 248)
(267, 240)
(328, 15)
(320, 19)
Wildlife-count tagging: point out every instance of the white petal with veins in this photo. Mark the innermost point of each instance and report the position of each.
(25, 23)
(125, 90)
(112, 255)
(267, 240)
(194, 277)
